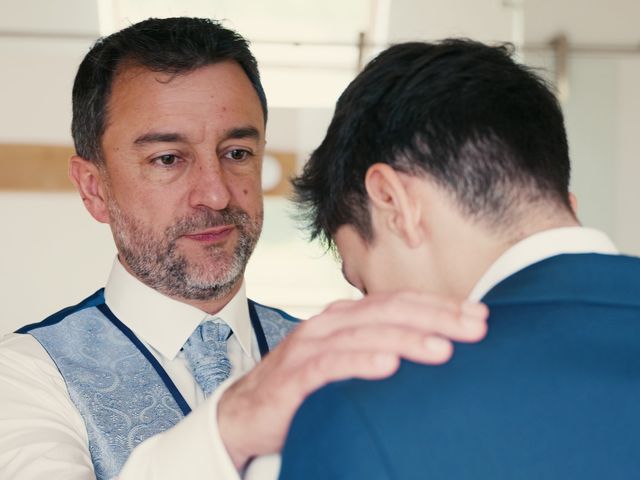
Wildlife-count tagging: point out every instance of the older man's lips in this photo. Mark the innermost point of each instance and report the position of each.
(211, 235)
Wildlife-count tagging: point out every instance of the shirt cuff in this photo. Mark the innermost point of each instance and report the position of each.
(266, 467)
(191, 449)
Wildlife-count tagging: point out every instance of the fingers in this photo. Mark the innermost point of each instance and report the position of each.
(349, 339)
(389, 340)
(380, 299)
(368, 365)
(428, 313)
(325, 369)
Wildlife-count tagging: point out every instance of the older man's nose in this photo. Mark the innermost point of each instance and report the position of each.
(210, 188)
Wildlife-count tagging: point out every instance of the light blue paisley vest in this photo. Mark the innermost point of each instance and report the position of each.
(120, 389)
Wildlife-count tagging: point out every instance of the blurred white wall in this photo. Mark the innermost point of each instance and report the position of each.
(483, 20)
(603, 109)
(604, 22)
(38, 71)
(52, 253)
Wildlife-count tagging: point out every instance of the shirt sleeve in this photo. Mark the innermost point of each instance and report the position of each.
(42, 434)
(265, 467)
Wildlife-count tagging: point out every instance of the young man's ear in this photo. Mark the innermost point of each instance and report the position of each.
(391, 200)
(573, 201)
(89, 181)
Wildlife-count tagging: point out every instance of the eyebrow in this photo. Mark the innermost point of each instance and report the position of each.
(160, 137)
(242, 132)
(173, 137)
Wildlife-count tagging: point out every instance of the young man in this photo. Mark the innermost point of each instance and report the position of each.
(168, 123)
(446, 169)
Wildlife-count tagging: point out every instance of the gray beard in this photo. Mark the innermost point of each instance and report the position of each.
(156, 261)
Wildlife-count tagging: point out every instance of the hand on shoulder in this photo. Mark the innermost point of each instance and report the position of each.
(351, 338)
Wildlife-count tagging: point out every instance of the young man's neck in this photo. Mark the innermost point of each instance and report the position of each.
(475, 248)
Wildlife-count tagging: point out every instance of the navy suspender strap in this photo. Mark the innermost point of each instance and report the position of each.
(255, 322)
(182, 403)
(257, 328)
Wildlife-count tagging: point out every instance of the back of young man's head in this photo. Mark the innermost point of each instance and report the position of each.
(483, 128)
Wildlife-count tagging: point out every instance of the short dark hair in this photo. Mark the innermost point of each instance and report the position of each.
(169, 45)
(486, 129)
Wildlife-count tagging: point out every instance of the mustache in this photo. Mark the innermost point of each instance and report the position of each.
(208, 219)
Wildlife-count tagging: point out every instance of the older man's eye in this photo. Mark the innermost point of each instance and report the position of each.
(166, 160)
(238, 154)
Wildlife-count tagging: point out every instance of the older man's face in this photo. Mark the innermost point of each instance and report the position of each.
(183, 158)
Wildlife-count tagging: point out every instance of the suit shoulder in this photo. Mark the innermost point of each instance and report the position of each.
(331, 422)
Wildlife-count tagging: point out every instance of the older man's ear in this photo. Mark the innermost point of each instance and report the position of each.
(89, 181)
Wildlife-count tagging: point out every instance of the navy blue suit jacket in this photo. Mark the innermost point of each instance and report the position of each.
(553, 392)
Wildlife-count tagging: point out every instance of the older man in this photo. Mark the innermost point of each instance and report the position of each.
(169, 127)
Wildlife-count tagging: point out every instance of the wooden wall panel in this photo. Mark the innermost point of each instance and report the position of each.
(34, 167)
(44, 168)
(288, 167)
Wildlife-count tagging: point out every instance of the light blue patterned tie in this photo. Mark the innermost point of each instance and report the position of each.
(206, 352)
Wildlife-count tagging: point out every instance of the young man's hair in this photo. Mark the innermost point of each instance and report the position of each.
(485, 129)
(169, 45)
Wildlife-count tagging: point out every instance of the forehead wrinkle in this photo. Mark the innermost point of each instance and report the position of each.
(208, 131)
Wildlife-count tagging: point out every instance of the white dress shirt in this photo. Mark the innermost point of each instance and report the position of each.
(538, 247)
(42, 434)
(531, 250)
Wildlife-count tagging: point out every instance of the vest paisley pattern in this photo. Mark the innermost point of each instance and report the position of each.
(119, 388)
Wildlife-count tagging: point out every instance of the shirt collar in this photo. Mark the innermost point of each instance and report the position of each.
(165, 324)
(539, 246)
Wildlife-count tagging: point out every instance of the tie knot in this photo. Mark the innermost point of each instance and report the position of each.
(215, 332)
